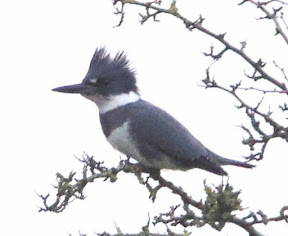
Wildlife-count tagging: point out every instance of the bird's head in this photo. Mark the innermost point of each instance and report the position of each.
(107, 77)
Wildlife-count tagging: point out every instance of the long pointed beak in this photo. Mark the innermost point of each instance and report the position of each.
(75, 88)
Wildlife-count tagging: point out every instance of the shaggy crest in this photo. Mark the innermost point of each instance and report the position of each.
(102, 58)
(117, 70)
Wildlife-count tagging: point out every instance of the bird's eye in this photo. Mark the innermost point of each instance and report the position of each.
(93, 80)
(98, 82)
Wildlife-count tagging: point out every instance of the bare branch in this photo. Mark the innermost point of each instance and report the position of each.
(219, 207)
(254, 115)
(198, 25)
(282, 70)
(272, 15)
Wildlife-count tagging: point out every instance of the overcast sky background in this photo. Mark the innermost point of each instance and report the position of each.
(46, 44)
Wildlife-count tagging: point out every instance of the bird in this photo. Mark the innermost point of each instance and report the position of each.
(137, 128)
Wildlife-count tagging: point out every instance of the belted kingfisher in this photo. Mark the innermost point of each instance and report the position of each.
(137, 128)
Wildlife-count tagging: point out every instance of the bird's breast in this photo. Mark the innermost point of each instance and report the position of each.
(120, 138)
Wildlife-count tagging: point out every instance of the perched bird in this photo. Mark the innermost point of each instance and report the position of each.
(137, 128)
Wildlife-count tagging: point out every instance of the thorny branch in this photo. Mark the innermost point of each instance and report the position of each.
(273, 15)
(255, 116)
(258, 136)
(198, 25)
(220, 206)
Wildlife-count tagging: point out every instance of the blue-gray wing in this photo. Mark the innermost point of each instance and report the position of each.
(159, 133)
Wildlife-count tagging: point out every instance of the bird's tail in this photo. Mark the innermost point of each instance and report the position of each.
(226, 161)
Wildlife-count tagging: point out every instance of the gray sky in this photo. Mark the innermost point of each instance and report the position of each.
(45, 44)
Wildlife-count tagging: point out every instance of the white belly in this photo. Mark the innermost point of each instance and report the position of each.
(121, 140)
